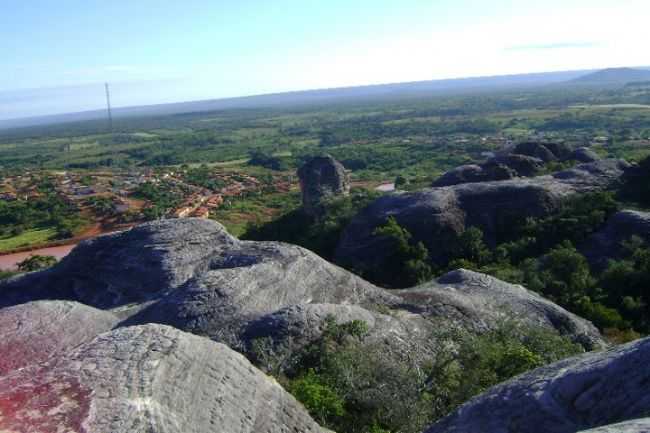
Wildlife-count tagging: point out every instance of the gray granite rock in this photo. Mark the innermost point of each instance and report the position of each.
(149, 378)
(537, 150)
(478, 302)
(437, 215)
(227, 286)
(606, 243)
(575, 394)
(134, 266)
(322, 178)
(634, 426)
(473, 174)
(584, 154)
(37, 331)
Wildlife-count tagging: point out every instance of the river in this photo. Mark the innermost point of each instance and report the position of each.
(9, 262)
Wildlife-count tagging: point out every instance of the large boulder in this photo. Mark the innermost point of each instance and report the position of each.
(247, 280)
(402, 335)
(634, 426)
(606, 244)
(575, 394)
(322, 178)
(547, 152)
(522, 165)
(231, 290)
(584, 154)
(134, 266)
(37, 331)
(436, 216)
(473, 173)
(478, 302)
(502, 167)
(148, 378)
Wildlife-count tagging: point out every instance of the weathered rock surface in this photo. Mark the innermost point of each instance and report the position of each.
(541, 151)
(137, 265)
(522, 165)
(401, 334)
(606, 243)
(591, 390)
(214, 285)
(321, 178)
(250, 279)
(478, 301)
(473, 173)
(584, 154)
(437, 215)
(149, 378)
(34, 332)
(633, 426)
(501, 167)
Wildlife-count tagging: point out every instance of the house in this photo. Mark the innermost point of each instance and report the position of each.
(182, 212)
(202, 212)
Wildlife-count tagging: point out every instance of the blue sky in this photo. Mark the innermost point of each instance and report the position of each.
(164, 51)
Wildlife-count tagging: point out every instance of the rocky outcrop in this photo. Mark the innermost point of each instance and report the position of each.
(634, 426)
(134, 266)
(233, 291)
(478, 302)
(522, 165)
(543, 151)
(321, 178)
(250, 279)
(606, 244)
(472, 174)
(575, 394)
(584, 154)
(148, 378)
(436, 216)
(37, 331)
(501, 167)
(401, 334)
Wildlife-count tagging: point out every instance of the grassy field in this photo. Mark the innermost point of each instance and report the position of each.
(27, 238)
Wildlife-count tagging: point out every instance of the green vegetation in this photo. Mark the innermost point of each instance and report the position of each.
(27, 238)
(407, 265)
(36, 220)
(163, 197)
(353, 386)
(319, 235)
(36, 263)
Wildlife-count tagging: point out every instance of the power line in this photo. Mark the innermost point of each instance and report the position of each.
(108, 106)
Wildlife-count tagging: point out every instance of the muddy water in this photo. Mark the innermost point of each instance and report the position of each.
(9, 261)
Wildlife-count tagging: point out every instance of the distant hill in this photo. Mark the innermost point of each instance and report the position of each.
(313, 97)
(614, 76)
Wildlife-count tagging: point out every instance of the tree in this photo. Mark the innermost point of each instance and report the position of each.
(407, 265)
(36, 263)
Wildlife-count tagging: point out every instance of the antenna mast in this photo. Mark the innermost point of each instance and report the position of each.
(108, 106)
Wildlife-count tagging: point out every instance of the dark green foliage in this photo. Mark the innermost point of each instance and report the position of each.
(577, 218)
(203, 176)
(322, 402)
(7, 274)
(47, 211)
(267, 160)
(353, 386)
(36, 263)
(636, 183)
(626, 284)
(407, 265)
(318, 235)
(102, 205)
(163, 198)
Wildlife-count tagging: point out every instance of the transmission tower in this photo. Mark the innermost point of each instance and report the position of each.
(108, 107)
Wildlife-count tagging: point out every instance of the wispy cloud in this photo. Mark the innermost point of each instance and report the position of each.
(554, 46)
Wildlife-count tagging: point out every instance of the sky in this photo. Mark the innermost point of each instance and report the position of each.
(56, 54)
